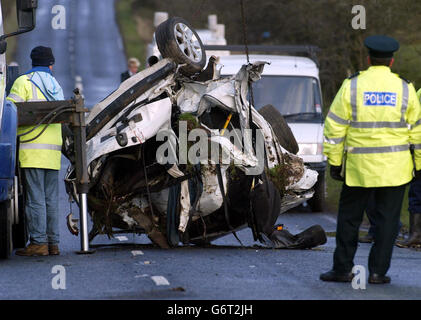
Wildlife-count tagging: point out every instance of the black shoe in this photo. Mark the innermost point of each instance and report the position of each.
(366, 239)
(335, 276)
(378, 279)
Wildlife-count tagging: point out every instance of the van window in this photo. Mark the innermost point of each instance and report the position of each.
(296, 98)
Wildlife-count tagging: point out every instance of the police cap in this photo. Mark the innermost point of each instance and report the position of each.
(381, 46)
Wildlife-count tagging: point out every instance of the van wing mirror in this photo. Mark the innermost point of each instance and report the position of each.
(26, 14)
(26, 10)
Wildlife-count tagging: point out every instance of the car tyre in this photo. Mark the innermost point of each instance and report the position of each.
(176, 39)
(280, 127)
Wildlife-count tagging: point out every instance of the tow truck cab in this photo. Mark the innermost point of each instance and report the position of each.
(12, 226)
(292, 85)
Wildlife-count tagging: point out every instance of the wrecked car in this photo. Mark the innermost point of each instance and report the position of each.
(148, 175)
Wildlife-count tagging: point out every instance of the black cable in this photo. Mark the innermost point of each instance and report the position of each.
(46, 125)
(243, 18)
(43, 120)
(251, 97)
(251, 103)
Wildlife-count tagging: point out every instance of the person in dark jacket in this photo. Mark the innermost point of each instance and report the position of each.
(133, 65)
(414, 197)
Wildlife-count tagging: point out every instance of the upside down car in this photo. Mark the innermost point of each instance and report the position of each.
(136, 143)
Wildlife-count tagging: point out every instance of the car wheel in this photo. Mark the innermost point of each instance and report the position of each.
(280, 127)
(176, 39)
(317, 203)
(5, 229)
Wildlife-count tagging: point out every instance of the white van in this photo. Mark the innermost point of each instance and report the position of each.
(291, 84)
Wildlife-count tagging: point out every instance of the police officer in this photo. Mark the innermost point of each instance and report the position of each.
(40, 156)
(367, 137)
(414, 197)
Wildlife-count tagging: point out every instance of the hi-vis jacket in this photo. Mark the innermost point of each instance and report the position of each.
(374, 118)
(45, 151)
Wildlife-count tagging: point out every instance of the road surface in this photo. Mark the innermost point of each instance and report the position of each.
(90, 47)
(89, 50)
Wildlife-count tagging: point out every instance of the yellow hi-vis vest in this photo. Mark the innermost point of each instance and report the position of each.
(372, 121)
(45, 151)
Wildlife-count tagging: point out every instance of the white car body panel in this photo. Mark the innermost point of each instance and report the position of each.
(304, 132)
(158, 113)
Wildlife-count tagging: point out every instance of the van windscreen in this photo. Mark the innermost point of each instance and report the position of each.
(292, 96)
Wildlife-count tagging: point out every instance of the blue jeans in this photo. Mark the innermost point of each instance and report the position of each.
(42, 212)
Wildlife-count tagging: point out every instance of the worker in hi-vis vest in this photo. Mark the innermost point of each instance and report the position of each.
(40, 156)
(414, 199)
(372, 123)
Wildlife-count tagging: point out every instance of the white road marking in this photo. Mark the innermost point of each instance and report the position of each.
(141, 275)
(122, 238)
(137, 253)
(160, 281)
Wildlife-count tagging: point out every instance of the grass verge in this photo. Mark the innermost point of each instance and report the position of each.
(126, 20)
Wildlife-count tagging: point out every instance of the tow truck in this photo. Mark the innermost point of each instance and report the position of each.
(12, 226)
(69, 112)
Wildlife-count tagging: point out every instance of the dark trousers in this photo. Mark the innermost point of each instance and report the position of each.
(371, 213)
(414, 197)
(352, 203)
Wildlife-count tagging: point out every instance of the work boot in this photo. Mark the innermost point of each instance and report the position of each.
(414, 238)
(34, 250)
(53, 250)
(378, 279)
(368, 238)
(335, 276)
